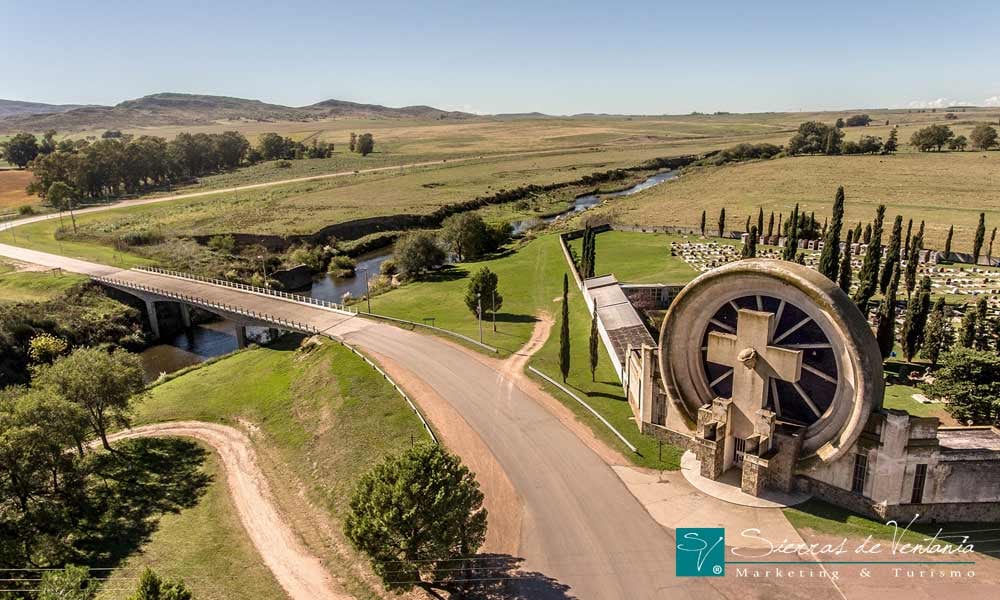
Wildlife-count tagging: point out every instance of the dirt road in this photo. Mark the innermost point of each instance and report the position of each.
(297, 570)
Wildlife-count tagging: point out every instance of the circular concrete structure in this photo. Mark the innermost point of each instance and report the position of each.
(841, 375)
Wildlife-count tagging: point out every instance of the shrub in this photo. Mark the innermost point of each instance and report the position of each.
(341, 266)
(222, 243)
(138, 238)
(25, 210)
(310, 256)
(283, 164)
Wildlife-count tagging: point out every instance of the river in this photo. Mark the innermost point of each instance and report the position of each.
(203, 342)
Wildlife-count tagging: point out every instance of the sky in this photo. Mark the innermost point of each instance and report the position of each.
(663, 57)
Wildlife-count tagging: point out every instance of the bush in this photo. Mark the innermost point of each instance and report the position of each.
(388, 267)
(25, 210)
(283, 164)
(744, 152)
(222, 243)
(313, 257)
(341, 266)
(858, 121)
(138, 238)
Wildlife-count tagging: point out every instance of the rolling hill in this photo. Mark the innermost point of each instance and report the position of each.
(12, 108)
(172, 109)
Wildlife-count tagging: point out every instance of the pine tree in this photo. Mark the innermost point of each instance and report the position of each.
(760, 220)
(936, 334)
(967, 330)
(885, 334)
(564, 331)
(792, 241)
(593, 347)
(892, 143)
(906, 244)
(868, 275)
(892, 254)
(977, 245)
(947, 243)
(916, 318)
(750, 248)
(702, 223)
(844, 277)
(770, 225)
(829, 260)
(912, 262)
(722, 223)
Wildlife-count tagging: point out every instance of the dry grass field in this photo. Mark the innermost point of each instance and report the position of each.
(12, 194)
(944, 189)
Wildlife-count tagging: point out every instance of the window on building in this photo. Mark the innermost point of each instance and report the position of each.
(860, 473)
(919, 478)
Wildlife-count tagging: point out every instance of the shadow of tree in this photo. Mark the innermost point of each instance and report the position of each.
(130, 490)
(498, 576)
(503, 317)
(445, 273)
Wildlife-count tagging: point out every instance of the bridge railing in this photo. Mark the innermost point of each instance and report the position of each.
(196, 301)
(250, 288)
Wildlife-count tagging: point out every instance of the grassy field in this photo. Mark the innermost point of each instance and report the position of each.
(29, 286)
(949, 188)
(41, 236)
(323, 416)
(639, 257)
(12, 194)
(530, 280)
(205, 546)
(901, 397)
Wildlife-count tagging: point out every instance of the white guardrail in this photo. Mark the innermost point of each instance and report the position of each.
(585, 405)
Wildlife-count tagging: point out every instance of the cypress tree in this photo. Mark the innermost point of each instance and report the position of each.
(702, 223)
(892, 254)
(593, 347)
(829, 260)
(906, 245)
(982, 325)
(917, 310)
(780, 230)
(867, 237)
(770, 225)
(977, 245)
(935, 333)
(857, 233)
(800, 258)
(760, 220)
(885, 334)
(912, 261)
(989, 251)
(868, 275)
(564, 331)
(750, 248)
(792, 242)
(722, 222)
(746, 227)
(967, 330)
(947, 243)
(844, 277)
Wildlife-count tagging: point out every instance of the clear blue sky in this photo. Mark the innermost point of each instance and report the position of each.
(510, 56)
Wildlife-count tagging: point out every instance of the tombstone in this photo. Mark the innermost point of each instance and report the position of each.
(744, 238)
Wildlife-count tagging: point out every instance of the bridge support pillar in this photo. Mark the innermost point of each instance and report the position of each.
(241, 336)
(154, 322)
(185, 315)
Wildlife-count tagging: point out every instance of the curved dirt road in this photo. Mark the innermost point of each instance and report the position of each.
(298, 571)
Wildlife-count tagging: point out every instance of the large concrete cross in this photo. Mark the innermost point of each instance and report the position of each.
(754, 362)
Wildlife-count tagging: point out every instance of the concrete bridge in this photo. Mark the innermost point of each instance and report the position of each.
(246, 305)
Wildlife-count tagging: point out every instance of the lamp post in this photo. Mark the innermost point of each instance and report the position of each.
(479, 311)
(263, 266)
(368, 292)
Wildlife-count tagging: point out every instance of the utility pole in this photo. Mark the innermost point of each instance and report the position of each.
(479, 311)
(368, 292)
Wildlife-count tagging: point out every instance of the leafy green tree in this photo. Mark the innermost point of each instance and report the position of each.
(417, 252)
(892, 254)
(845, 275)
(932, 137)
(858, 120)
(418, 516)
(722, 222)
(977, 244)
(69, 583)
(365, 144)
(352, 145)
(983, 137)
(958, 143)
(885, 334)
(917, 310)
(102, 383)
(62, 197)
(594, 351)
(937, 335)
(44, 348)
(969, 380)
(832, 146)
(483, 285)
(152, 587)
(467, 236)
(750, 248)
(892, 142)
(868, 275)
(20, 149)
(813, 137)
(829, 259)
(702, 223)
(947, 243)
(564, 349)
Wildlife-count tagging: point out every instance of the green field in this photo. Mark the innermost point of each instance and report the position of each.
(205, 546)
(943, 189)
(639, 257)
(530, 281)
(324, 418)
(34, 286)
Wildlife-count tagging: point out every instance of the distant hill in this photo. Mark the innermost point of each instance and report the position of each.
(11, 108)
(171, 109)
